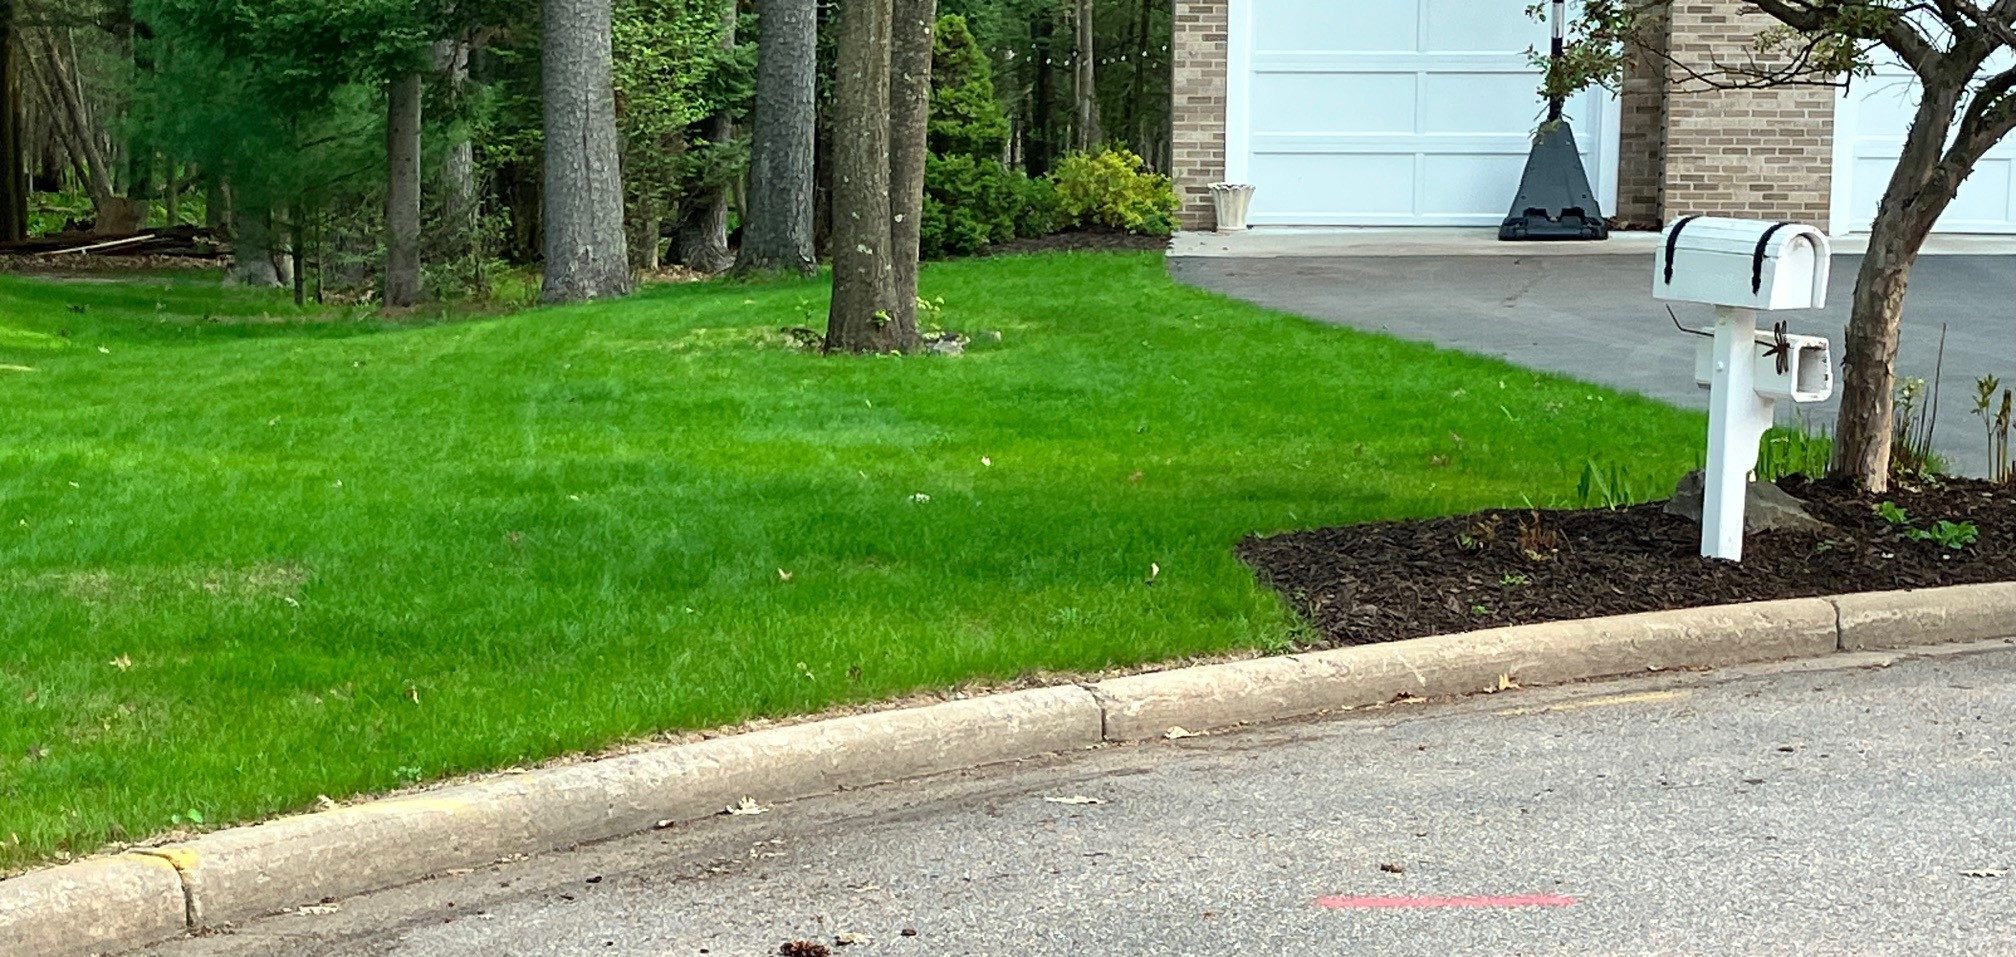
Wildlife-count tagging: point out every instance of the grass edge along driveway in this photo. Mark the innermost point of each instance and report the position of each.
(250, 556)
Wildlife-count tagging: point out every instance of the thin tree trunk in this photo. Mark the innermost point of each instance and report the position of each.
(1865, 427)
(863, 317)
(1086, 80)
(909, 132)
(65, 98)
(458, 164)
(402, 192)
(297, 251)
(586, 254)
(171, 194)
(1038, 148)
(777, 234)
(703, 236)
(13, 160)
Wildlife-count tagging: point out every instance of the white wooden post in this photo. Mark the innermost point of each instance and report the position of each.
(1737, 419)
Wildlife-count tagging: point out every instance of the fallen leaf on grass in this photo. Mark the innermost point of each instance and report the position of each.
(1075, 799)
(745, 806)
(122, 662)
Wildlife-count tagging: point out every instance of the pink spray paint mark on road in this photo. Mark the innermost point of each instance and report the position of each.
(1338, 902)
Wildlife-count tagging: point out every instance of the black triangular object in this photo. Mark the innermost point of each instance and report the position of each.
(1555, 201)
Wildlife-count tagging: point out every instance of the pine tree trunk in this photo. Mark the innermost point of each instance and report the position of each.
(13, 159)
(402, 192)
(256, 257)
(777, 235)
(1087, 86)
(586, 254)
(909, 132)
(863, 315)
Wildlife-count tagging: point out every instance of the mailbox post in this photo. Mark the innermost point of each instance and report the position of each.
(1740, 267)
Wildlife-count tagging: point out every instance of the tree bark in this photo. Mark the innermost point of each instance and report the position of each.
(1086, 80)
(13, 159)
(909, 134)
(1912, 201)
(458, 164)
(703, 233)
(777, 235)
(63, 95)
(586, 254)
(402, 192)
(256, 256)
(1038, 147)
(863, 317)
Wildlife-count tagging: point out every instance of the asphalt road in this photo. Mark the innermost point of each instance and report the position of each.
(1854, 806)
(1594, 318)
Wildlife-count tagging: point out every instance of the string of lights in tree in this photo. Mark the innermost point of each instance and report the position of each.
(1103, 61)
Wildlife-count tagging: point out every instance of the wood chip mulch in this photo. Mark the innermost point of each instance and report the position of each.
(1386, 581)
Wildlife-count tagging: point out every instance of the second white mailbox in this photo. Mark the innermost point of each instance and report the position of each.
(1743, 263)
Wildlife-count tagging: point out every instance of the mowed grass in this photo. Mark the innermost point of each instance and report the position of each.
(250, 556)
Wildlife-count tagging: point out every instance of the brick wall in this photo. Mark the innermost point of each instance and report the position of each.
(1762, 154)
(1198, 118)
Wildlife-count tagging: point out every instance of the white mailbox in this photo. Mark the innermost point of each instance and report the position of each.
(1804, 374)
(1742, 263)
(1740, 266)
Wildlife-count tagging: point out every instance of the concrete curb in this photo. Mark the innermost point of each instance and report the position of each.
(1245, 692)
(102, 904)
(145, 896)
(1877, 621)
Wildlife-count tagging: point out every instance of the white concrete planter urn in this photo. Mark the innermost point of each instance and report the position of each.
(1233, 201)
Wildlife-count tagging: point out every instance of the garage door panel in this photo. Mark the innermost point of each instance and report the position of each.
(1493, 25)
(1468, 183)
(1356, 102)
(1479, 103)
(1984, 198)
(1335, 24)
(1871, 125)
(1326, 185)
(1391, 112)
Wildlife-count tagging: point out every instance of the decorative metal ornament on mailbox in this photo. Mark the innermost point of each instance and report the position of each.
(1741, 266)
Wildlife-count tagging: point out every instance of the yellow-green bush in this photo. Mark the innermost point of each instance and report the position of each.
(1115, 189)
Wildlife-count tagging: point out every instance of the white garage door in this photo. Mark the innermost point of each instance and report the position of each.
(1392, 112)
(1869, 128)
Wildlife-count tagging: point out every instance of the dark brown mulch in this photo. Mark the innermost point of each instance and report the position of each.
(1386, 581)
(1082, 240)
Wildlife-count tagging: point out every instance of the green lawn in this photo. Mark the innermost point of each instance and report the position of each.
(250, 556)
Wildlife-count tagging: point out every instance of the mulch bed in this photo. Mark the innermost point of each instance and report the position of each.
(1083, 240)
(1391, 580)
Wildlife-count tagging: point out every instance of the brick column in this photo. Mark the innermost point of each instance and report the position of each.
(1641, 160)
(1198, 113)
(1760, 154)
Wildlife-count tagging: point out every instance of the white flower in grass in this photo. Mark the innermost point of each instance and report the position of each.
(920, 498)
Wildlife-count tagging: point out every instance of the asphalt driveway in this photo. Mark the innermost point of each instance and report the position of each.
(1593, 317)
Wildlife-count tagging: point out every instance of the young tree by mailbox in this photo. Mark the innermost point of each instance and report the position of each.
(1741, 266)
